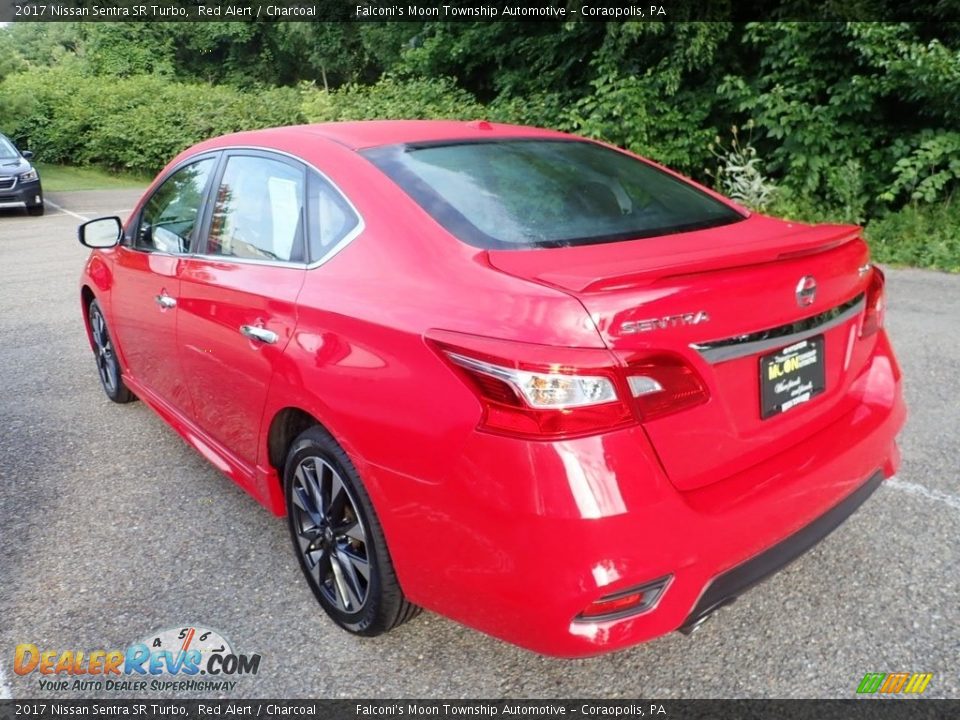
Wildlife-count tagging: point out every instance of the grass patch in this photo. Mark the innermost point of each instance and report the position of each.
(926, 236)
(64, 178)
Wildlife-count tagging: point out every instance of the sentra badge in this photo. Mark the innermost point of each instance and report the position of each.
(662, 323)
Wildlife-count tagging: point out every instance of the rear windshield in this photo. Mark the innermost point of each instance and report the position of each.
(513, 194)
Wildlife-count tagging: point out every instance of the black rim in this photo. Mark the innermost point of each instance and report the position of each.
(103, 350)
(330, 535)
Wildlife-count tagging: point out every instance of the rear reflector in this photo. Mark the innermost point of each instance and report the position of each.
(625, 603)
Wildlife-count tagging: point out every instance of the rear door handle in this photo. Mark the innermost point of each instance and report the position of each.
(165, 301)
(259, 334)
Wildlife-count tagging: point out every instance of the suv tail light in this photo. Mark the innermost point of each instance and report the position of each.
(876, 303)
(547, 392)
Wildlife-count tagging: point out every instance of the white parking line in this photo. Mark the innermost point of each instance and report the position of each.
(78, 216)
(5, 692)
(938, 496)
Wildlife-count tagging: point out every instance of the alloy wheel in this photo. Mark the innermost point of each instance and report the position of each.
(330, 535)
(103, 351)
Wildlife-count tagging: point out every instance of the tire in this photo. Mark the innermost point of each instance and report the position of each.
(111, 376)
(335, 537)
(36, 210)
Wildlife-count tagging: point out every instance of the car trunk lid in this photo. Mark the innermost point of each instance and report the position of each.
(723, 299)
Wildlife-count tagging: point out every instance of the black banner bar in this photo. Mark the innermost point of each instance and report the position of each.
(475, 10)
(148, 709)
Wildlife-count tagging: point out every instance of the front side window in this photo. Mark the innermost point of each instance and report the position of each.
(515, 194)
(258, 211)
(170, 216)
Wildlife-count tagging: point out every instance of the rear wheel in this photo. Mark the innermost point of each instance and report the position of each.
(111, 377)
(338, 539)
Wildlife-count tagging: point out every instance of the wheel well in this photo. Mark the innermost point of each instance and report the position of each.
(87, 296)
(286, 425)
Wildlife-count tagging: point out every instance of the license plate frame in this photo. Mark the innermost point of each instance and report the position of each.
(791, 376)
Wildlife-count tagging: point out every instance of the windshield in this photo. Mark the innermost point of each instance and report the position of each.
(7, 150)
(513, 194)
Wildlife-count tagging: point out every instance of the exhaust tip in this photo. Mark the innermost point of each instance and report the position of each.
(690, 628)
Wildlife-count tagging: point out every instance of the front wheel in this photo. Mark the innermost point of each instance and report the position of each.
(35, 210)
(111, 377)
(338, 539)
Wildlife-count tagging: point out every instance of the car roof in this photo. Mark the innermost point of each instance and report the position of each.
(358, 135)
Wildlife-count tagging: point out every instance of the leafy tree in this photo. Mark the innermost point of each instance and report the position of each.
(41, 44)
(652, 90)
(122, 49)
(391, 98)
(10, 59)
(500, 59)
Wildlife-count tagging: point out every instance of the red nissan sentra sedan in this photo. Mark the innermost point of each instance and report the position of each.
(528, 381)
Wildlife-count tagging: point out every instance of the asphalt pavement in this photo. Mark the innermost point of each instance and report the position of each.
(113, 528)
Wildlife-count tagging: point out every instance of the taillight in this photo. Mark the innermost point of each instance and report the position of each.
(876, 304)
(664, 384)
(548, 392)
(538, 391)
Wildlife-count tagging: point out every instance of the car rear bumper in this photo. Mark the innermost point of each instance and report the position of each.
(544, 529)
(727, 587)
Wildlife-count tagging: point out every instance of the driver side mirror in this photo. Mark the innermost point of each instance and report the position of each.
(101, 233)
(27, 154)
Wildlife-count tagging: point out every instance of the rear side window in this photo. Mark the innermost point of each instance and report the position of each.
(331, 217)
(258, 211)
(170, 216)
(510, 194)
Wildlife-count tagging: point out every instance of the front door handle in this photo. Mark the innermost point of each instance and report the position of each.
(165, 301)
(259, 334)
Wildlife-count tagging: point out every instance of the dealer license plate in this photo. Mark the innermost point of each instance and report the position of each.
(791, 376)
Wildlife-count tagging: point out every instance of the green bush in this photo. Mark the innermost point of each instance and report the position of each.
(854, 122)
(392, 99)
(918, 235)
(634, 112)
(928, 166)
(859, 116)
(739, 174)
(135, 124)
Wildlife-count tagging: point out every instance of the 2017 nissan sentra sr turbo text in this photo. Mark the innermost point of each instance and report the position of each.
(528, 381)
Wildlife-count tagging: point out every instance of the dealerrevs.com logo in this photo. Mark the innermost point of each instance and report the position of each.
(178, 659)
